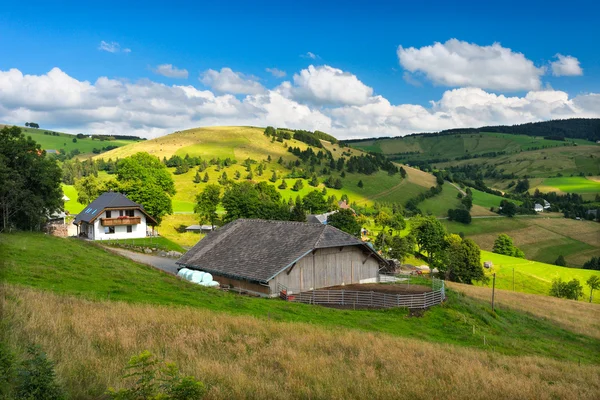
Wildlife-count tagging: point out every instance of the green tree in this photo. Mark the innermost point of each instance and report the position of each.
(273, 177)
(298, 211)
(314, 182)
(397, 222)
(360, 184)
(568, 290)
(237, 175)
(88, 189)
(401, 247)
(594, 283)
(298, 185)
(30, 182)
(463, 260)
(147, 181)
(197, 178)
(207, 202)
(345, 221)
(508, 208)
(560, 261)
(504, 245)
(36, 378)
(315, 202)
(206, 178)
(430, 235)
(283, 185)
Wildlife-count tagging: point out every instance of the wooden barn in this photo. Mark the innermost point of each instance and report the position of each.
(258, 256)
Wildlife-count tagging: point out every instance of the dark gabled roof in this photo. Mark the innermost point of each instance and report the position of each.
(107, 200)
(258, 250)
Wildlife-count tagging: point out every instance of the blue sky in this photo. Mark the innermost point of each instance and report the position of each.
(356, 39)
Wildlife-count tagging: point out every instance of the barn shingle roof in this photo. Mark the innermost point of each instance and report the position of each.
(258, 250)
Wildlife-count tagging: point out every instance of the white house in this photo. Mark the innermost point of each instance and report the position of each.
(113, 216)
(538, 208)
(546, 205)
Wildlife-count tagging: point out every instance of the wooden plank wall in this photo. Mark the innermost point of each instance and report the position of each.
(328, 267)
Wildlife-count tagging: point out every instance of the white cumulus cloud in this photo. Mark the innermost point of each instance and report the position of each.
(325, 85)
(566, 66)
(458, 63)
(149, 109)
(228, 81)
(170, 71)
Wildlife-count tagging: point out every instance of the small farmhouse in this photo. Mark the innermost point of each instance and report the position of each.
(113, 216)
(538, 207)
(259, 256)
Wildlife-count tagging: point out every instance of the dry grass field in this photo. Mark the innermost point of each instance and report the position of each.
(247, 357)
(576, 316)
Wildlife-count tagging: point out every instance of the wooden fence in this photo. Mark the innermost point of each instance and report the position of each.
(363, 299)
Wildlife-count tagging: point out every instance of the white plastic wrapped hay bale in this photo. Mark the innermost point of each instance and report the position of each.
(214, 284)
(207, 278)
(198, 276)
(182, 273)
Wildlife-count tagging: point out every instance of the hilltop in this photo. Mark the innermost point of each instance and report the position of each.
(250, 143)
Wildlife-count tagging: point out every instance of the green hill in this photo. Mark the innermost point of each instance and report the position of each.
(241, 143)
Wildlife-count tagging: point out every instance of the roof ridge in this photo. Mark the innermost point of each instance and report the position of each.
(223, 234)
(320, 236)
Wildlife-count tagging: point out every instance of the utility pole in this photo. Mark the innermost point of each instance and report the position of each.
(493, 290)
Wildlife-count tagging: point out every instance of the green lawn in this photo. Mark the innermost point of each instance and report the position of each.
(72, 205)
(161, 243)
(532, 276)
(485, 225)
(74, 267)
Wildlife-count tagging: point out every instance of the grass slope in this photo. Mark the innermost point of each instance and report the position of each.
(65, 141)
(541, 238)
(241, 143)
(258, 358)
(458, 145)
(532, 276)
(72, 267)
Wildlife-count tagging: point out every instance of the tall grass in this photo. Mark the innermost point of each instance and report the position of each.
(247, 357)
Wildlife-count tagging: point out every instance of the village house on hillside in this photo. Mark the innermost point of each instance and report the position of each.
(113, 216)
(260, 256)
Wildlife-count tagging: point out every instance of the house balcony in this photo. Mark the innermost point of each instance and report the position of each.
(120, 221)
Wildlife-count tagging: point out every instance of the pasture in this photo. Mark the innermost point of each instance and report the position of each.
(540, 237)
(458, 145)
(65, 141)
(532, 276)
(588, 187)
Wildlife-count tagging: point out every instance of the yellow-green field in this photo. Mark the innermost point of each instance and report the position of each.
(540, 237)
(532, 276)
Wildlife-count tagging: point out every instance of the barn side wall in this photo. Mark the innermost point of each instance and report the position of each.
(329, 267)
(241, 284)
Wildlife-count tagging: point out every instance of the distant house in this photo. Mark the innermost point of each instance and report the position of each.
(342, 204)
(200, 228)
(319, 218)
(488, 264)
(263, 257)
(538, 207)
(546, 204)
(113, 216)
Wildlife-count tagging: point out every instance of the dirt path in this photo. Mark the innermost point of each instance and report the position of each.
(163, 263)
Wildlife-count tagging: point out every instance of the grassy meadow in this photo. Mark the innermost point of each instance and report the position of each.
(260, 358)
(65, 141)
(532, 276)
(541, 238)
(458, 145)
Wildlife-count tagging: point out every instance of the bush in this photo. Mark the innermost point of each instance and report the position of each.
(560, 261)
(36, 379)
(149, 378)
(568, 290)
(459, 215)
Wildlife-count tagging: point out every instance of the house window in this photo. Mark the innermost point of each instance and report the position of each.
(129, 229)
(130, 213)
(120, 213)
(108, 214)
(109, 229)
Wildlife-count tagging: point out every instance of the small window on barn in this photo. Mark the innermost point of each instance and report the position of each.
(129, 229)
(108, 214)
(109, 229)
